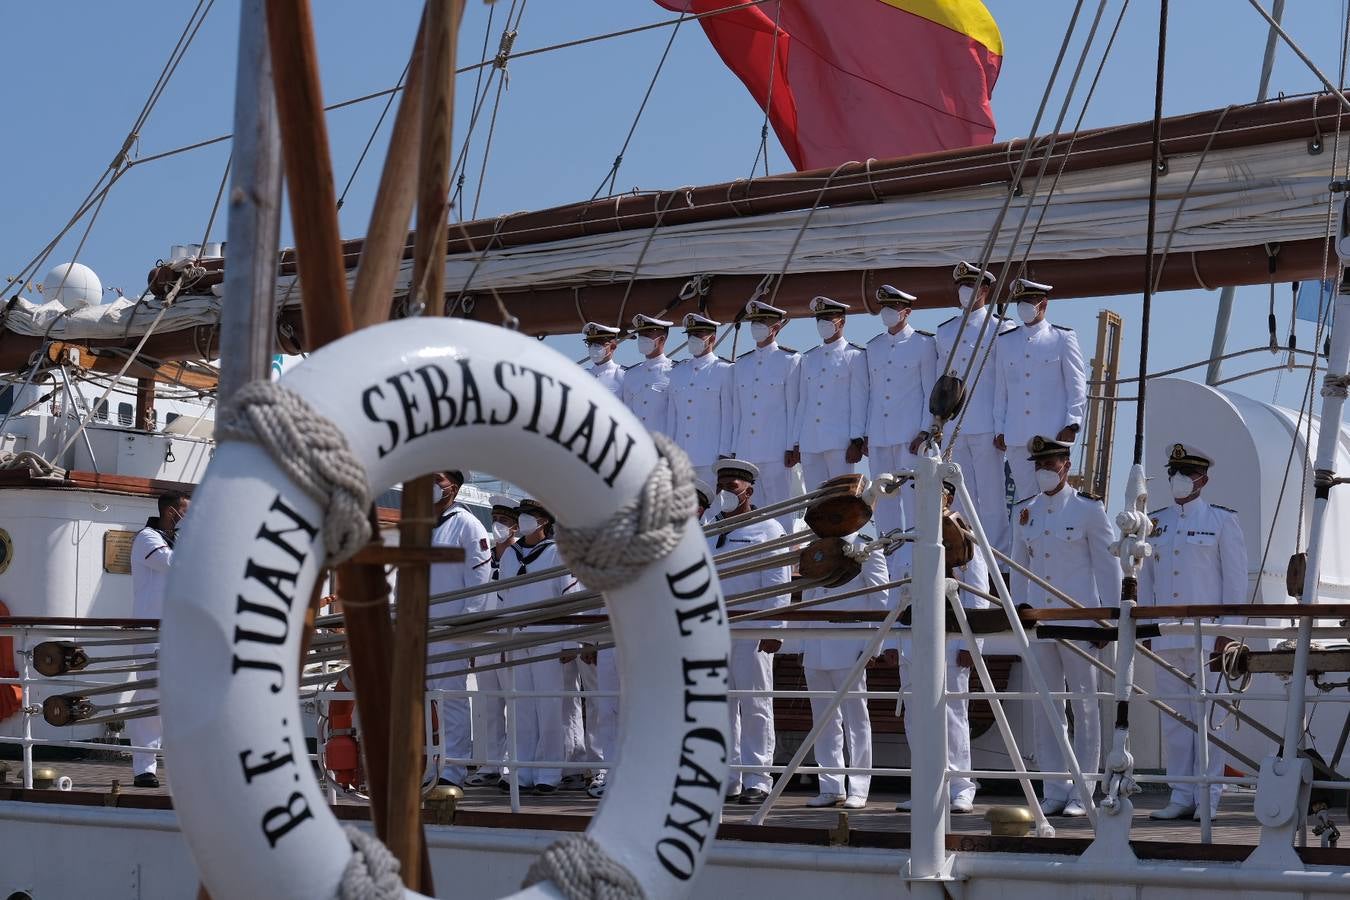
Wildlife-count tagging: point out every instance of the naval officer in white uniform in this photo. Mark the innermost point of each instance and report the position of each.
(1199, 557)
(974, 450)
(646, 385)
(901, 368)
(765, 383)
(1064, 537)
(831, 415)
(699, 412)
(1040, 383)
(752, 725)
(827, 664)
(601, 342)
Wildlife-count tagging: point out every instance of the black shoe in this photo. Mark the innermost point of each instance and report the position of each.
(504, 786)
(545, 788)
(733, 798)
(752, 796)
(145, 780)
(446, 782)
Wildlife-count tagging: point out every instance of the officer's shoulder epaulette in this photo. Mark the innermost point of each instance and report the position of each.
(856, 346)
(876, 337)
(1227, 509)
(952, 319)
(1090, 497)
(630, 366)
(1025, 501)
(865, 538)
(1061, 327)
(1154, 512)
(788, 350)
(723, 359)
(1009, 331)
(927, 334)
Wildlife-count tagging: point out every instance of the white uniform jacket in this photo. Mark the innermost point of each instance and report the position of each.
(646, 391)
(1199, 556)
(974, 573)
(739, 539)
(699, 413)
(1065, 540)
(610, 374)
(457, 527)
(765, 384)
(832, 401)
(979, 412)
(1040, 382)
(151, 553)
(901, 369)
(822, 653)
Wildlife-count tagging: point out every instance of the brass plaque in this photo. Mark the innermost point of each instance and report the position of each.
(117, 551)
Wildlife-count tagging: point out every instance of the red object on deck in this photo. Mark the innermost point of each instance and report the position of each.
(11, 695)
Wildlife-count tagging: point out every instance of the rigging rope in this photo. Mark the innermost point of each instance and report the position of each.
(763, 149)
(581, 870)
(499, 63)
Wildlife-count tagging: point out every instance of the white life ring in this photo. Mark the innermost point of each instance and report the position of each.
(412, 397)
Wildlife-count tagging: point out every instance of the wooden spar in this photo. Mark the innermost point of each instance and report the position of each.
(382, 249)
(408, 688)
(309, 171)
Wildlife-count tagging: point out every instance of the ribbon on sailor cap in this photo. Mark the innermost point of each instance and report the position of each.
(1188, 455)
(649, 323)
(503, 503)
(888, 294)
(1041, 447)
(825, 306)
(1026, 289)
(696, 322)
(593, 331)
(534, 508)
(738, 468)
(758, 309)
(964, 271)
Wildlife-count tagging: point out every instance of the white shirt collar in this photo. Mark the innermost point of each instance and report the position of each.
(1193, 509)
(702, 362)
(1039, 326)
(903, 334)
(835, 346)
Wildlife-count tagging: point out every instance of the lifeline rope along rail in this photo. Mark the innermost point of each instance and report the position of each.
(314, 454)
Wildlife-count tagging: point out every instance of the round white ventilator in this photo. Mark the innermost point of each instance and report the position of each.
(412, 397)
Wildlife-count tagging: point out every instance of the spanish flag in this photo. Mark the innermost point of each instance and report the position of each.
(851, 79)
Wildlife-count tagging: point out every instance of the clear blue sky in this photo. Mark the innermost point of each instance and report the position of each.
(78, 73)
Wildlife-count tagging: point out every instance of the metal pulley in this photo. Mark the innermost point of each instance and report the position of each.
(53, 658)
(842, 511)
(947, 397)
(827, 559)
(67, 709)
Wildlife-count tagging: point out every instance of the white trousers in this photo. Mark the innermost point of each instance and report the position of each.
(1181, 746)
(1023, 472)
(958, 722)
(818, 468)
(538, 721)
(849, 728)
(1062, 666)
(775, 484)
(982, 467)
(147, 731)
(607, 708)
(896, 511)
(489, 719)
(579, 725)
(752, 732)
(456, 722)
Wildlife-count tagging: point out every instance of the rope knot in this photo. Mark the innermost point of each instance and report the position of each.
(641, 531)
(372, 873)
(311, 451)
(581, 870)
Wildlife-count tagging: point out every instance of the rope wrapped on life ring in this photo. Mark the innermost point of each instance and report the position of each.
(411, 397)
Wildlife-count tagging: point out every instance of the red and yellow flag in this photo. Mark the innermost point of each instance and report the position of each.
(849, 79)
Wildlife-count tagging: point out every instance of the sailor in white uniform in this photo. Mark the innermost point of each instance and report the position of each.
(538, 721)
(959, 663)
(601, 342)
(901, 368)
(752, 725)
(151, 554)
(832, 403)
(764, 399)
(981, 462)
(827, 664)
(1064, 537)
(1199, 557)
(646, 385)
(699, 414)
(456, 527)
(489, 709)
(1040, 383)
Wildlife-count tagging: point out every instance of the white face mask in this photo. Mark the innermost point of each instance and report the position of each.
(528, 524)
(727, 501)
(1047, 480)
(596, 352)
(759, 331)
(825, 328)
(1027, 312)
(965, 293)
(891, 317)
(1182, 486)
(700, 346)
(646, 344)
(437, 493)
(501, 532)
